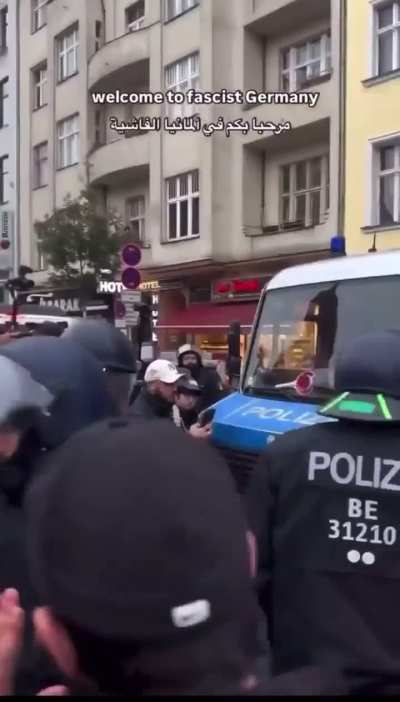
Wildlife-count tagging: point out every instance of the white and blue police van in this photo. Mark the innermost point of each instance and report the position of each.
(306, 314)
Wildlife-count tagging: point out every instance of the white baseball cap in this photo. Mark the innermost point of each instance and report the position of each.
(162, 370)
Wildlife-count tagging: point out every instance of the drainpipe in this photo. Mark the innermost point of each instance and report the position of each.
(342, 116)
(17, 234)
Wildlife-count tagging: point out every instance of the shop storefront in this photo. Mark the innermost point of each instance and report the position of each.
(198, 305)
(206, 325)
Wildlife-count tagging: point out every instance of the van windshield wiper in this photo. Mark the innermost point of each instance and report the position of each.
(266, 390)
(288, 392)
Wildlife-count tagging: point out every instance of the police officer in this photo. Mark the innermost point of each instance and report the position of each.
(324, 508)
(115, 353)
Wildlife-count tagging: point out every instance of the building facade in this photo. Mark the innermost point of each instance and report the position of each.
(9, 139)
(214, 216)
(372, 126)
(53, 99)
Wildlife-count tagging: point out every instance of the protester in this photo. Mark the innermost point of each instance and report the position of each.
(113, 351)
(208, 378)
(12, 619)
(72, 375)
(323, 505)
(187, 396)
(157, 396)
(22, 404)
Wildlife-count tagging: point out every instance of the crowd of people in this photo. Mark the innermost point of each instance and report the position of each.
(131, 566)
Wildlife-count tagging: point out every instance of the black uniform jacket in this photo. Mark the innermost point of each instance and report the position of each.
(324, 505)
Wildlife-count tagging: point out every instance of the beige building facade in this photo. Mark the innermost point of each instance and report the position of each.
(203, 209)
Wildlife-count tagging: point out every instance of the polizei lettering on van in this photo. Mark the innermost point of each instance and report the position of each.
(283, 415)
(344, 469)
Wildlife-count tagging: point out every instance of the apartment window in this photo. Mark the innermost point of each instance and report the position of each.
(136, 217)
(99, 129)
(98, 35)
(4, 102)
(174, 8)
(39, 14)
(68, 141)
(388, 184)
(4, 184)
(3, 29)
(306, 62)
(134, 15)
(183, 203)
(305, 192)
(180, 77)
(67, 54)
(387, 37)
(39, 86)
(40, 165)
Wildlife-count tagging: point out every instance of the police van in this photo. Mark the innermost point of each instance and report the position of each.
(306, 314)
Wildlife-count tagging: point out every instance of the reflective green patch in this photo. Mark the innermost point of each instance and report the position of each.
(357, 406)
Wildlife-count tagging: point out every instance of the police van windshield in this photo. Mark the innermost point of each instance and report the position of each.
(304, 328)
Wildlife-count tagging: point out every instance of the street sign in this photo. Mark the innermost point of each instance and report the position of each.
(131, 255)
(119, 309)
(131, 278)
(130, 296)
(131, 316)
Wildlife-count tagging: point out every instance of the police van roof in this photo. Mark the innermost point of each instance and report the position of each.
(370, 265)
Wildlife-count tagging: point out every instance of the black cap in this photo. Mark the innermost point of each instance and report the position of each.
(111, 348)
(188, 385)
(137, 533)
(367, 376)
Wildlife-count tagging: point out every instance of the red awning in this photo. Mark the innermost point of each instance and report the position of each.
(208, 316)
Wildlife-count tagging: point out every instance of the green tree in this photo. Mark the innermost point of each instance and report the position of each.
(78, 241)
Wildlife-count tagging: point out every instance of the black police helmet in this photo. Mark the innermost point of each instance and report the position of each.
(111, 348)
(371, 363)
(367, 376)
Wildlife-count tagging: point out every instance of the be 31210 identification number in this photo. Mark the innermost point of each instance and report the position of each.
(362, 533)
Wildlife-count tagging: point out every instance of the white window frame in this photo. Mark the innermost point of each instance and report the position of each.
(136, 24)
(4, 175)
(181, 76)
(325, 60)
(394, 28)
(68, 132)
(98, 38)
(3, 29)
(39, 14)
(179, 7)
(376, 175)
(39, 86)
(40, 166)
(190, 196)
(140, 217)
(293, 193)
(4, 97)
(63, 51)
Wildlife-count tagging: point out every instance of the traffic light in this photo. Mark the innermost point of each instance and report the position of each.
(130, 258)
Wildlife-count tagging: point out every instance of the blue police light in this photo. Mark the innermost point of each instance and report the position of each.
(338, 245)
